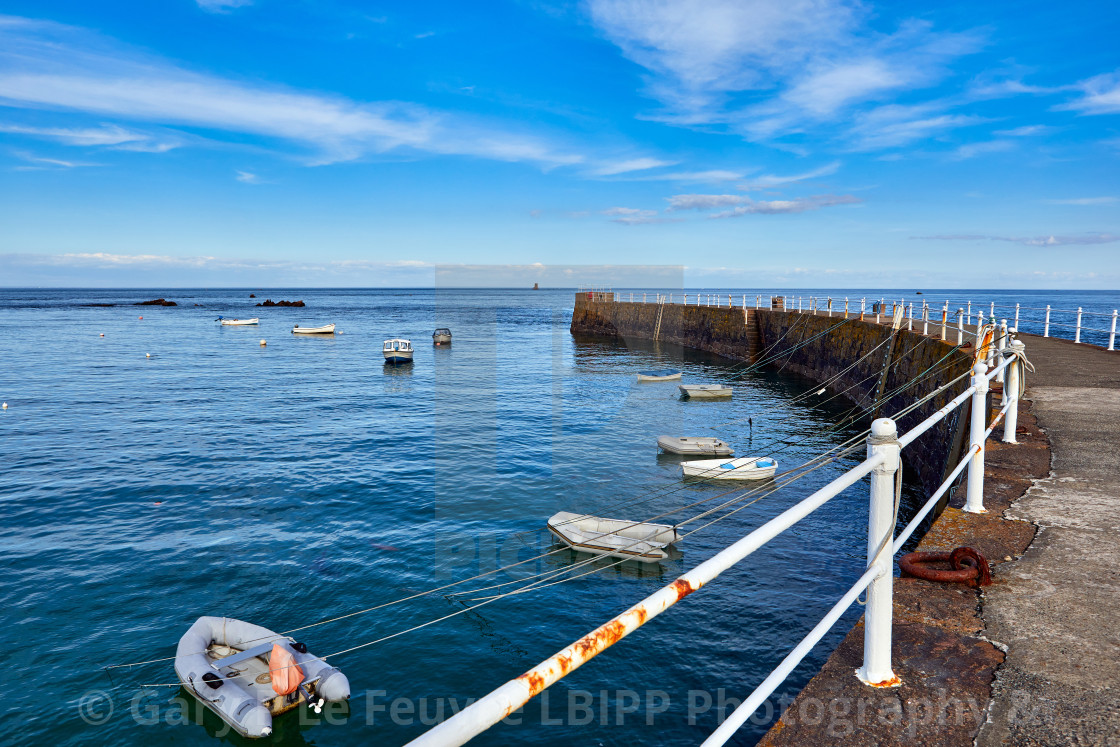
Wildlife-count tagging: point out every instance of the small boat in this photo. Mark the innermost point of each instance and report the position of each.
(247, 674)
(397, 350)
(694, 445)
(326, 329)
(665, 374)
(617, 538)
(442, 336)
(237, 322)
(705, 391)
(743, 468)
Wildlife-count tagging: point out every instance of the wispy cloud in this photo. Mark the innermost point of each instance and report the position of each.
(971, 150)
(1085, 201)
(770, 180)
(1100, 95)
(629, 166)
(1025, 131)
(107, 135)
(41, 162)
(799, 64)
(894, 125)
(1083, 239)
(703, 202)
(779, 207)
(45, 65)
(635, 216)
(247, 177)
(222, 6)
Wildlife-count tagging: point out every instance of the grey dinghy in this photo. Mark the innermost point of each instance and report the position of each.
(225, 663)
(694, 445)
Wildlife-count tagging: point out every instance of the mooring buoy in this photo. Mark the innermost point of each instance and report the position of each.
(263, 343)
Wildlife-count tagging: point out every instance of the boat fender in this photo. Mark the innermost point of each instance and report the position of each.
(333, 685)
(213, 680)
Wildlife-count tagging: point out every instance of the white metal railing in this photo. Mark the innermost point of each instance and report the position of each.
(884, 448)
(953, 318)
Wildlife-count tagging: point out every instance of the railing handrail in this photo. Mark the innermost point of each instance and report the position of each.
(501, 702)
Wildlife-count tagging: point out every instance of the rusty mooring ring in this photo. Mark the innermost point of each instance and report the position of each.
(969, 566)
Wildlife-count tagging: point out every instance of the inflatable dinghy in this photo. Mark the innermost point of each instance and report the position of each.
(247, 674)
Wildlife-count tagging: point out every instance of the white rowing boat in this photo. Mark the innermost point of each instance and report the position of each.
(616, 538)
(743, 468)
(705, 391)
(665, 374)
(238, 322)
(326, 329)
(694, 445)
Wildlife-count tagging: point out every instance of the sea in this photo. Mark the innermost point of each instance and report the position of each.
(158, 467)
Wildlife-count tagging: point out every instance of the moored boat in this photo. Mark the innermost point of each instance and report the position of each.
(247, 674)
(237, 322)
(326, 329)
(665, 374)
(698, 445)
(397, 351)
(705, 391)
(743, 468)
(617, 538)
(442, 336)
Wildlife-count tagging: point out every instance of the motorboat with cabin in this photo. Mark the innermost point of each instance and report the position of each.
(441, 336)
(397, 351)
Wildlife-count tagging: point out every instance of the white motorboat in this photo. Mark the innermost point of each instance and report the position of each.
(694, 445)
(617, 538)
(743, 468)
(326, 329)
(665, 374)
(397, 350)
(705, 391)
(442, 336)
(247, 674)
(238, 322)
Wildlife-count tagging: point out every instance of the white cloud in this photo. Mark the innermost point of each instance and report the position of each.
(43, 162)
(45, 65)
(1084, 239)
(1100, 95)
(770, 180)
(804, 63)
(222, 6)
(634, 164)
(107, 135)
(971, 150)
(1086, 201)
(778, 207)
(634, 216)
(1025, 131)
(703, 202)
(713, 175)
(248, 177)
(894, 125)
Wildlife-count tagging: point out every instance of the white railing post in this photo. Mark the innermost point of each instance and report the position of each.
(925, 318)
(1016, 317)
(960, 327)
(877, 621)
(992, 312)
(643, 298)
(830, 311)
(758, 302)
(1046, 324)
(974, 496)
(744, 302)
(968, 314)
(799, 304)
(845, 307)
(910, 318)
(1011, 393)
(1077, 334)
(1112, 334)
(729, 300)
(862, 308)
(1001, 345)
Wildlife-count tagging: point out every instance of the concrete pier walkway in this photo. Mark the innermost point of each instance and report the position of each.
(1057, 609)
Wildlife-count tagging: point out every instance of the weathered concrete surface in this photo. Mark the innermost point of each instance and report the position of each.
(1057, 610)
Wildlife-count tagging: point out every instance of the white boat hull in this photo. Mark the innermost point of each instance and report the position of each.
(694, 446)
(398, 356)
(616, 538)
(705, 391)
(326, 329)
(239, 322)
(659, 376)
(743, 468)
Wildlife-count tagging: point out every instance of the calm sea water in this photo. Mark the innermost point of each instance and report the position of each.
(303, 480)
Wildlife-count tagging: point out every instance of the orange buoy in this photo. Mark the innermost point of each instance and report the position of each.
(141, 317)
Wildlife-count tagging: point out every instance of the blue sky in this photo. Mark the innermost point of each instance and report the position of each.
(788, 143)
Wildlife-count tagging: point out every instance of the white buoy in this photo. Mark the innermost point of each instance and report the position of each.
(4, 406)
(147, 355)
(102, 334)
(263, 343)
